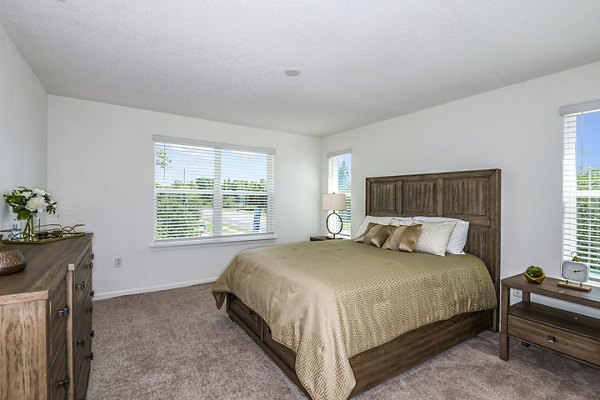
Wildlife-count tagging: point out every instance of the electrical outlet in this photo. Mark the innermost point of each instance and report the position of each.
(517, 293)
(118, 262)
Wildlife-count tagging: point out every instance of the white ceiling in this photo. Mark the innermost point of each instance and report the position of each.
(361, 61)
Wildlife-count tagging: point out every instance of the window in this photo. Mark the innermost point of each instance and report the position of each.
(339, 172)
(581, 184)
(211, 192)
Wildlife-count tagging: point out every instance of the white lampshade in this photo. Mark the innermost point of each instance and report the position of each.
(333, 201)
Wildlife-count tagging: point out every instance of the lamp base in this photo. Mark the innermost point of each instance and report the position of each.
(327, 224)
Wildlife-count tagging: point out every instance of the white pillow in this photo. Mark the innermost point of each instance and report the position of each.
(397, 221)
(434, 236)
(363, 226)
(458, 240)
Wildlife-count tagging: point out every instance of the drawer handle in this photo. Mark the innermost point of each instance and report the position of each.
(63, 312)
(92, 256)
(80, 286)
(91, 265)
(92, 333)
(64, 383)
(91, 309)
(81, 342)
(92, 293)
(551, 339)
(90, 356)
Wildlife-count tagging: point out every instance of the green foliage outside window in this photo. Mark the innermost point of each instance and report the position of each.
(588, 219)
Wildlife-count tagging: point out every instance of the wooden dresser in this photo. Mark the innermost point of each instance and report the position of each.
(46, 323)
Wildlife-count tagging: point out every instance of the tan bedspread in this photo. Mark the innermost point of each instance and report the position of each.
(331, 300)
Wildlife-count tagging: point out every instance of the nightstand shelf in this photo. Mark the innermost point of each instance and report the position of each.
(570, 334)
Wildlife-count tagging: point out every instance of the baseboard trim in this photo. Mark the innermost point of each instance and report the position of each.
(109, 295)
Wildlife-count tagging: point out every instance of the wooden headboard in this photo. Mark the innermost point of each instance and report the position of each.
(472, 196)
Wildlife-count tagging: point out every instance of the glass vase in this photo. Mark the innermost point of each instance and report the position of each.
(28, 232)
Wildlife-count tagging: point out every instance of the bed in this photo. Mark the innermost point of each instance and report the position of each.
(473, 196)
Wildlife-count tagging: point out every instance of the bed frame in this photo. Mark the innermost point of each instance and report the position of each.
(473, 196)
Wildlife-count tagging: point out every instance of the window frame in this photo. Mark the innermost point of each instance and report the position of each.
(347, 231)
(571, 191)
(217, 193)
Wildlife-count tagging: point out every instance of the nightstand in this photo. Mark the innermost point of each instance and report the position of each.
(569, 334)
(320, 238)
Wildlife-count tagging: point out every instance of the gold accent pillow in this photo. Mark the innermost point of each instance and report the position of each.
(376, 234)
(403, 238)
(361, 238)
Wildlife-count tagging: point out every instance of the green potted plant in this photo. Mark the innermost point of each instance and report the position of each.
(535, 274)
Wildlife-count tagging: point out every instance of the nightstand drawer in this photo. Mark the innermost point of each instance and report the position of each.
(556, 339)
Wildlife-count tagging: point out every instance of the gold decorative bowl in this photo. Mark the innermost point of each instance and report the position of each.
(11, 260)
(531, 279)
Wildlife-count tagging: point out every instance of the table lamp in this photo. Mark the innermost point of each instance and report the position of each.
(334, 202)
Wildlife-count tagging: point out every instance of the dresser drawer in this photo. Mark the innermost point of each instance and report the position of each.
(83, 271)
(82, 344)
(81, 292)
(240, 310)
(58, 381)
(84, 308)
(577, 346)
(58, 317)
(83, 377)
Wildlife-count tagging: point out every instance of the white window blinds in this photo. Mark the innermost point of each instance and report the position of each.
(581, 185)
(339, 173)
(210, 191)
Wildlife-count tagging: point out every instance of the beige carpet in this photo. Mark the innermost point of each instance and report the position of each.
(175, 345)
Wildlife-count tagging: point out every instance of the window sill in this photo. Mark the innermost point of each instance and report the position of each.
(593, 281)
(221, 241)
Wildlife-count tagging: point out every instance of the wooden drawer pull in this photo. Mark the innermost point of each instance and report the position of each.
(92, 333)
(80, 286)
(90, 356)
(551, 339)
(91, 309)
(92, 293)
(81, 342)
(64, 383)
(63, 312)
(91, 265)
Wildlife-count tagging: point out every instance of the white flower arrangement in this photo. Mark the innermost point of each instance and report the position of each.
(28, 202)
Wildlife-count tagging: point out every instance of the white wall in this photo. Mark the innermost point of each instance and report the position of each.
(100, 169)
(516, 128)
(22, 126)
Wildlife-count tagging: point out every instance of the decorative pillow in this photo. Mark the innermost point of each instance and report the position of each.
(434, 237)
(375, 235)
(361, 238)
(403, 238)
(458, 239)
(380, 237)
(363, 227)
(397, 221)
